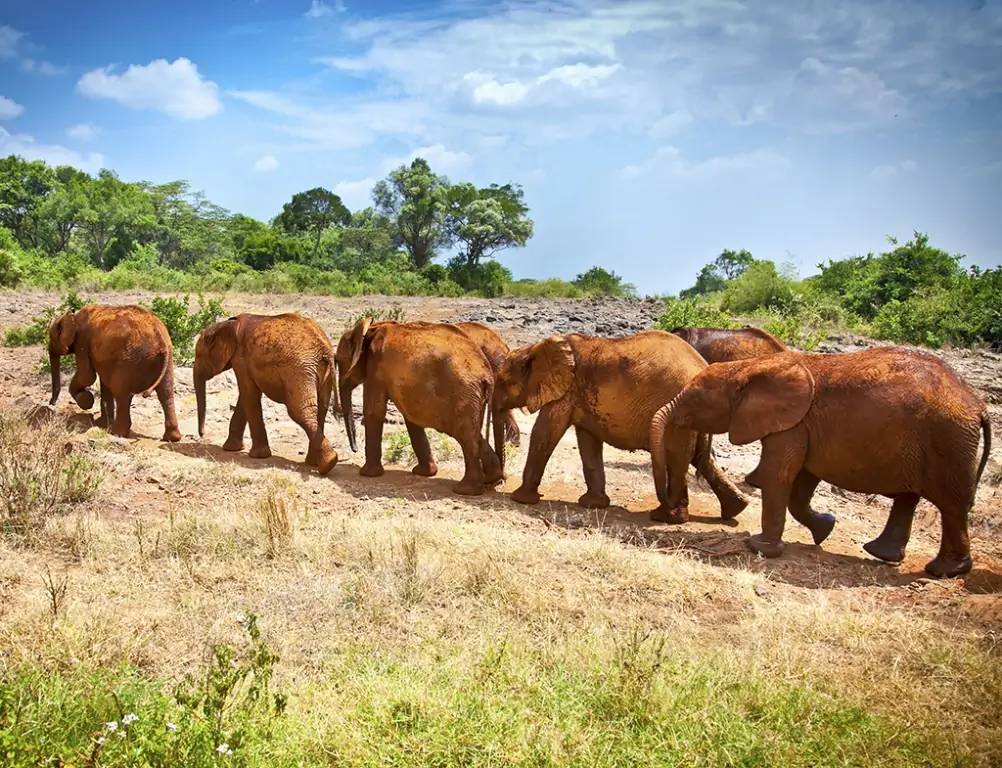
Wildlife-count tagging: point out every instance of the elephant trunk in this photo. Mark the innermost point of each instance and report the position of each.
(348, 414)
(656, 442)
(200, 401)
(499, 436)
(54, 363)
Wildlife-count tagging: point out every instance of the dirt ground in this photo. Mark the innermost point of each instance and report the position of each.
(839, 569)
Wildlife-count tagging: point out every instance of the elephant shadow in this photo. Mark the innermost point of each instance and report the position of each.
(396, 484)
(212, 452)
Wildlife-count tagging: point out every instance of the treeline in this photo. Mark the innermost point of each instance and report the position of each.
(61, 227)
(912, 293)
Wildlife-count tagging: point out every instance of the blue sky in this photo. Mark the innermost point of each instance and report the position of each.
(647, 135)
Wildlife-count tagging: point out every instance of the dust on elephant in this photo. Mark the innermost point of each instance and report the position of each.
(129, 349)
(438, 378)
(286, 357)
(722, 345)
(608, 389)
(496, 351)
(888, 421)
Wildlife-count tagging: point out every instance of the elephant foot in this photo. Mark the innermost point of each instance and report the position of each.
(594, 500)
(371, 470)
(676, 516)
(259, 452)
(820, 525)
(426, 470)
(468, 488)
(233, 445)
(85, 399)
(172, 435)
(889, 552)
(119, 431)
(494, 479)
(947, 566)
(765, 547)
(752, 479)
(326, 465)
(732, 506)
(524, 496)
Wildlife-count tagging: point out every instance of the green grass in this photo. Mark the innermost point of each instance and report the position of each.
(397, 448)
(578, 703)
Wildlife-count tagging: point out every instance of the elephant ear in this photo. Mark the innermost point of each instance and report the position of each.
(220, 340)
(776, 397)
(551, 372)
(356, 342)
(63, 333)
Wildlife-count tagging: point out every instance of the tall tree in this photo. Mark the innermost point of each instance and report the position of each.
(24, 184)
(487, 220)
(413, 199)
(311, 213)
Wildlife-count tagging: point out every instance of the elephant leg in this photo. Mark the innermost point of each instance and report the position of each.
(107, 406)
(590, 450)
(890, 544)
(732, 501)
(680, 446)
(373, 416)
(426, 466)
(783, 456)
(123, 415)
(250, 395)
(954, 558)
(551, 423)
(818, 523)
(489, 462)
(470, 441)
(165, 394)
(83, 377)
(238, 425)
(305, 412)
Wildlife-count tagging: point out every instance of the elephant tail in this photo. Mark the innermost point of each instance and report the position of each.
(325, 390)
(168, 361)
(986, 432)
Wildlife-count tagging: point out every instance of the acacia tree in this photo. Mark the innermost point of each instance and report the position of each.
(313, 212)
(487, 220)
(413, 199)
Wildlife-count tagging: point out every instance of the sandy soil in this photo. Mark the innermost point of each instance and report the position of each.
(840, 568)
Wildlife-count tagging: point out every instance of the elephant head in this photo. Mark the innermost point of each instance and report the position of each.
(213, 354)
(535, 375)
(351, 361)
(748, 399)
(62, 338)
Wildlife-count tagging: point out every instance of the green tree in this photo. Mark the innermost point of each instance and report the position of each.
(61, 211)
(188, 227)
(115, 216)
(713, 277)
(412, 198)
(263, 250)
(486, 220)
(312, 213)
(602, 282)
(24, 184)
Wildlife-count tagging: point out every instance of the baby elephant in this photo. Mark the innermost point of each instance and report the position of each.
(722, 345)
(129, 349)
(286, 357)
(889, 421)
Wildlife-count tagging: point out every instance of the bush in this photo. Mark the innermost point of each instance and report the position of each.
(39, 477)
(182, 325)
(759, 286)
(601, 282)
(487, 278)
(698, 313)
(10, 251)
(551, 288)
(37, 331)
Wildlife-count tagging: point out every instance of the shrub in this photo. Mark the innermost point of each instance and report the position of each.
(38, 476)
(182, 325)
(397, 448)
(694, 312)
(601, 282)
(759, 285)
(487, 278)
(37, 331)
(551, 288)
(10, 250)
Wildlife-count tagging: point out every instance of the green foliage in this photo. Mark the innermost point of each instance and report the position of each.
(184, 326)
(395, 313)
(10, 255)
(312, 213)
(37, 331)
(413, 198)
(714, 276)
(485, 221)
(397, 448)
(759, 286)
(488, 278)
(698, 313)
(550, 288)
(602, 282)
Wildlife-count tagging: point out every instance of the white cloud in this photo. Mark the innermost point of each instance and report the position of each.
(9, 108)
(886, 171)
(54, 154)
(42, 67)
(10, 39)
(580, 75)
(356, 194)
(670, 124)
(83, 131)
(440, 159)
(320, 10)
(487, 90)
(669, 161)
(266, 163)
(176, 88)
(13, 45)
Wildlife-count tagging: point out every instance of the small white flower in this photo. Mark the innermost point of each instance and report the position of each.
(224, 749)
(130, 718)
(111, 726)
(171, 726)
(100, 739)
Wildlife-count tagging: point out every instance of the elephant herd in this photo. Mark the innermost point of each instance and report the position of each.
(890, 421)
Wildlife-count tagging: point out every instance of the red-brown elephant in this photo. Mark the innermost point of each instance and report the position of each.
(888, 421)
(723, 345)
(129, 349)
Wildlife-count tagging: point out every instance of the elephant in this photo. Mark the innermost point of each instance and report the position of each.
(129, 349)
(722, 345)
(496, 351)
(890, 421)
(286, 357)
(608, 389)
(438, 378)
